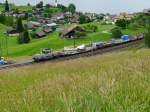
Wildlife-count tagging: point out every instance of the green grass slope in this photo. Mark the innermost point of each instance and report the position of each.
(53, 41)
(117, 82)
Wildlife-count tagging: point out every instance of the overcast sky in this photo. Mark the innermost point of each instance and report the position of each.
(98, 6)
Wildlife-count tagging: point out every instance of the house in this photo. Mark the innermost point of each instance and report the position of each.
(58, 16)
(31, 26)
(49, 30)
(122, 16)
(52, 26)
(91, 16)
(34, 23)
(12, 32)
(40, 34)
(146, 11)
(71, 32)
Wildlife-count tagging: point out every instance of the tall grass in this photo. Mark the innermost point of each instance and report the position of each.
(111, 83)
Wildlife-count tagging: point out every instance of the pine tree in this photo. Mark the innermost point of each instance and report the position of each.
(6, 6)
(19, 25)
(20, 38)
(26, 38)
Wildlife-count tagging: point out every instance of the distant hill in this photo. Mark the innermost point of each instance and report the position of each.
(118, 81)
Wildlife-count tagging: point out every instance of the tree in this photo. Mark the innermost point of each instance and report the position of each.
(26, 38)
(2, 18)
(33, 35)
(147, 37)
(19, 25)
(40, 4)
(116, 33)
(28, 4)
(94, 28)
(20, 38)
(122, 23)
(62, 7)
(83, 19)
(6, 6)
(72, 8)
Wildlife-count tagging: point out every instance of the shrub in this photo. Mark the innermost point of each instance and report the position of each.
(84, 19)
(134, 26)
(20, 38)
(103, 23)
(33, 35)
(90, 28)
(122, 23)
(19, 26)
(24, 37)
(116, 32)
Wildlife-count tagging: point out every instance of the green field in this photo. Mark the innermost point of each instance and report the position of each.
(24, 8)
(117, 82)
(52, 41)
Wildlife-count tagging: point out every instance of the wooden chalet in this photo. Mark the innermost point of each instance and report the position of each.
(49, 30)
(146, 12)
(40, 34)
(71, 32)
(12, 31)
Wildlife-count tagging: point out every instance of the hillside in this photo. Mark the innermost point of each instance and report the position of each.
(117, 82)
(54, 41)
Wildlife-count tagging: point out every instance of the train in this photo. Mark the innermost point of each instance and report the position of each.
(3, 61)
(48, 54)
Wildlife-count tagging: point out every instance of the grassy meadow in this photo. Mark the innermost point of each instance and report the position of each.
(117, 82)
(54, 41)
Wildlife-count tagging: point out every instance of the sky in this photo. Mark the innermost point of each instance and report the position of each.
(97, 6)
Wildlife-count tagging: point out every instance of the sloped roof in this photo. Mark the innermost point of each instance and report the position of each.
(40, 34)
(67, 30)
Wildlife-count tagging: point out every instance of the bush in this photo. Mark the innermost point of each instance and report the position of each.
(26, 38)
(23, 37)
(90, 28)
(134, 26)
(116, 32)
(84, 19)
(20, 38)
(147, 38)
(103, 23)
(122, 23)
(33, 35)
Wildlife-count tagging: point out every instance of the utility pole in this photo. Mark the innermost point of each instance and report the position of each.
(6, 47)
(74, 42)
(92, 44)
(1, 51)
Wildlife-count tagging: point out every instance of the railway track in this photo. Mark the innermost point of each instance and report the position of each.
(118, 47)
